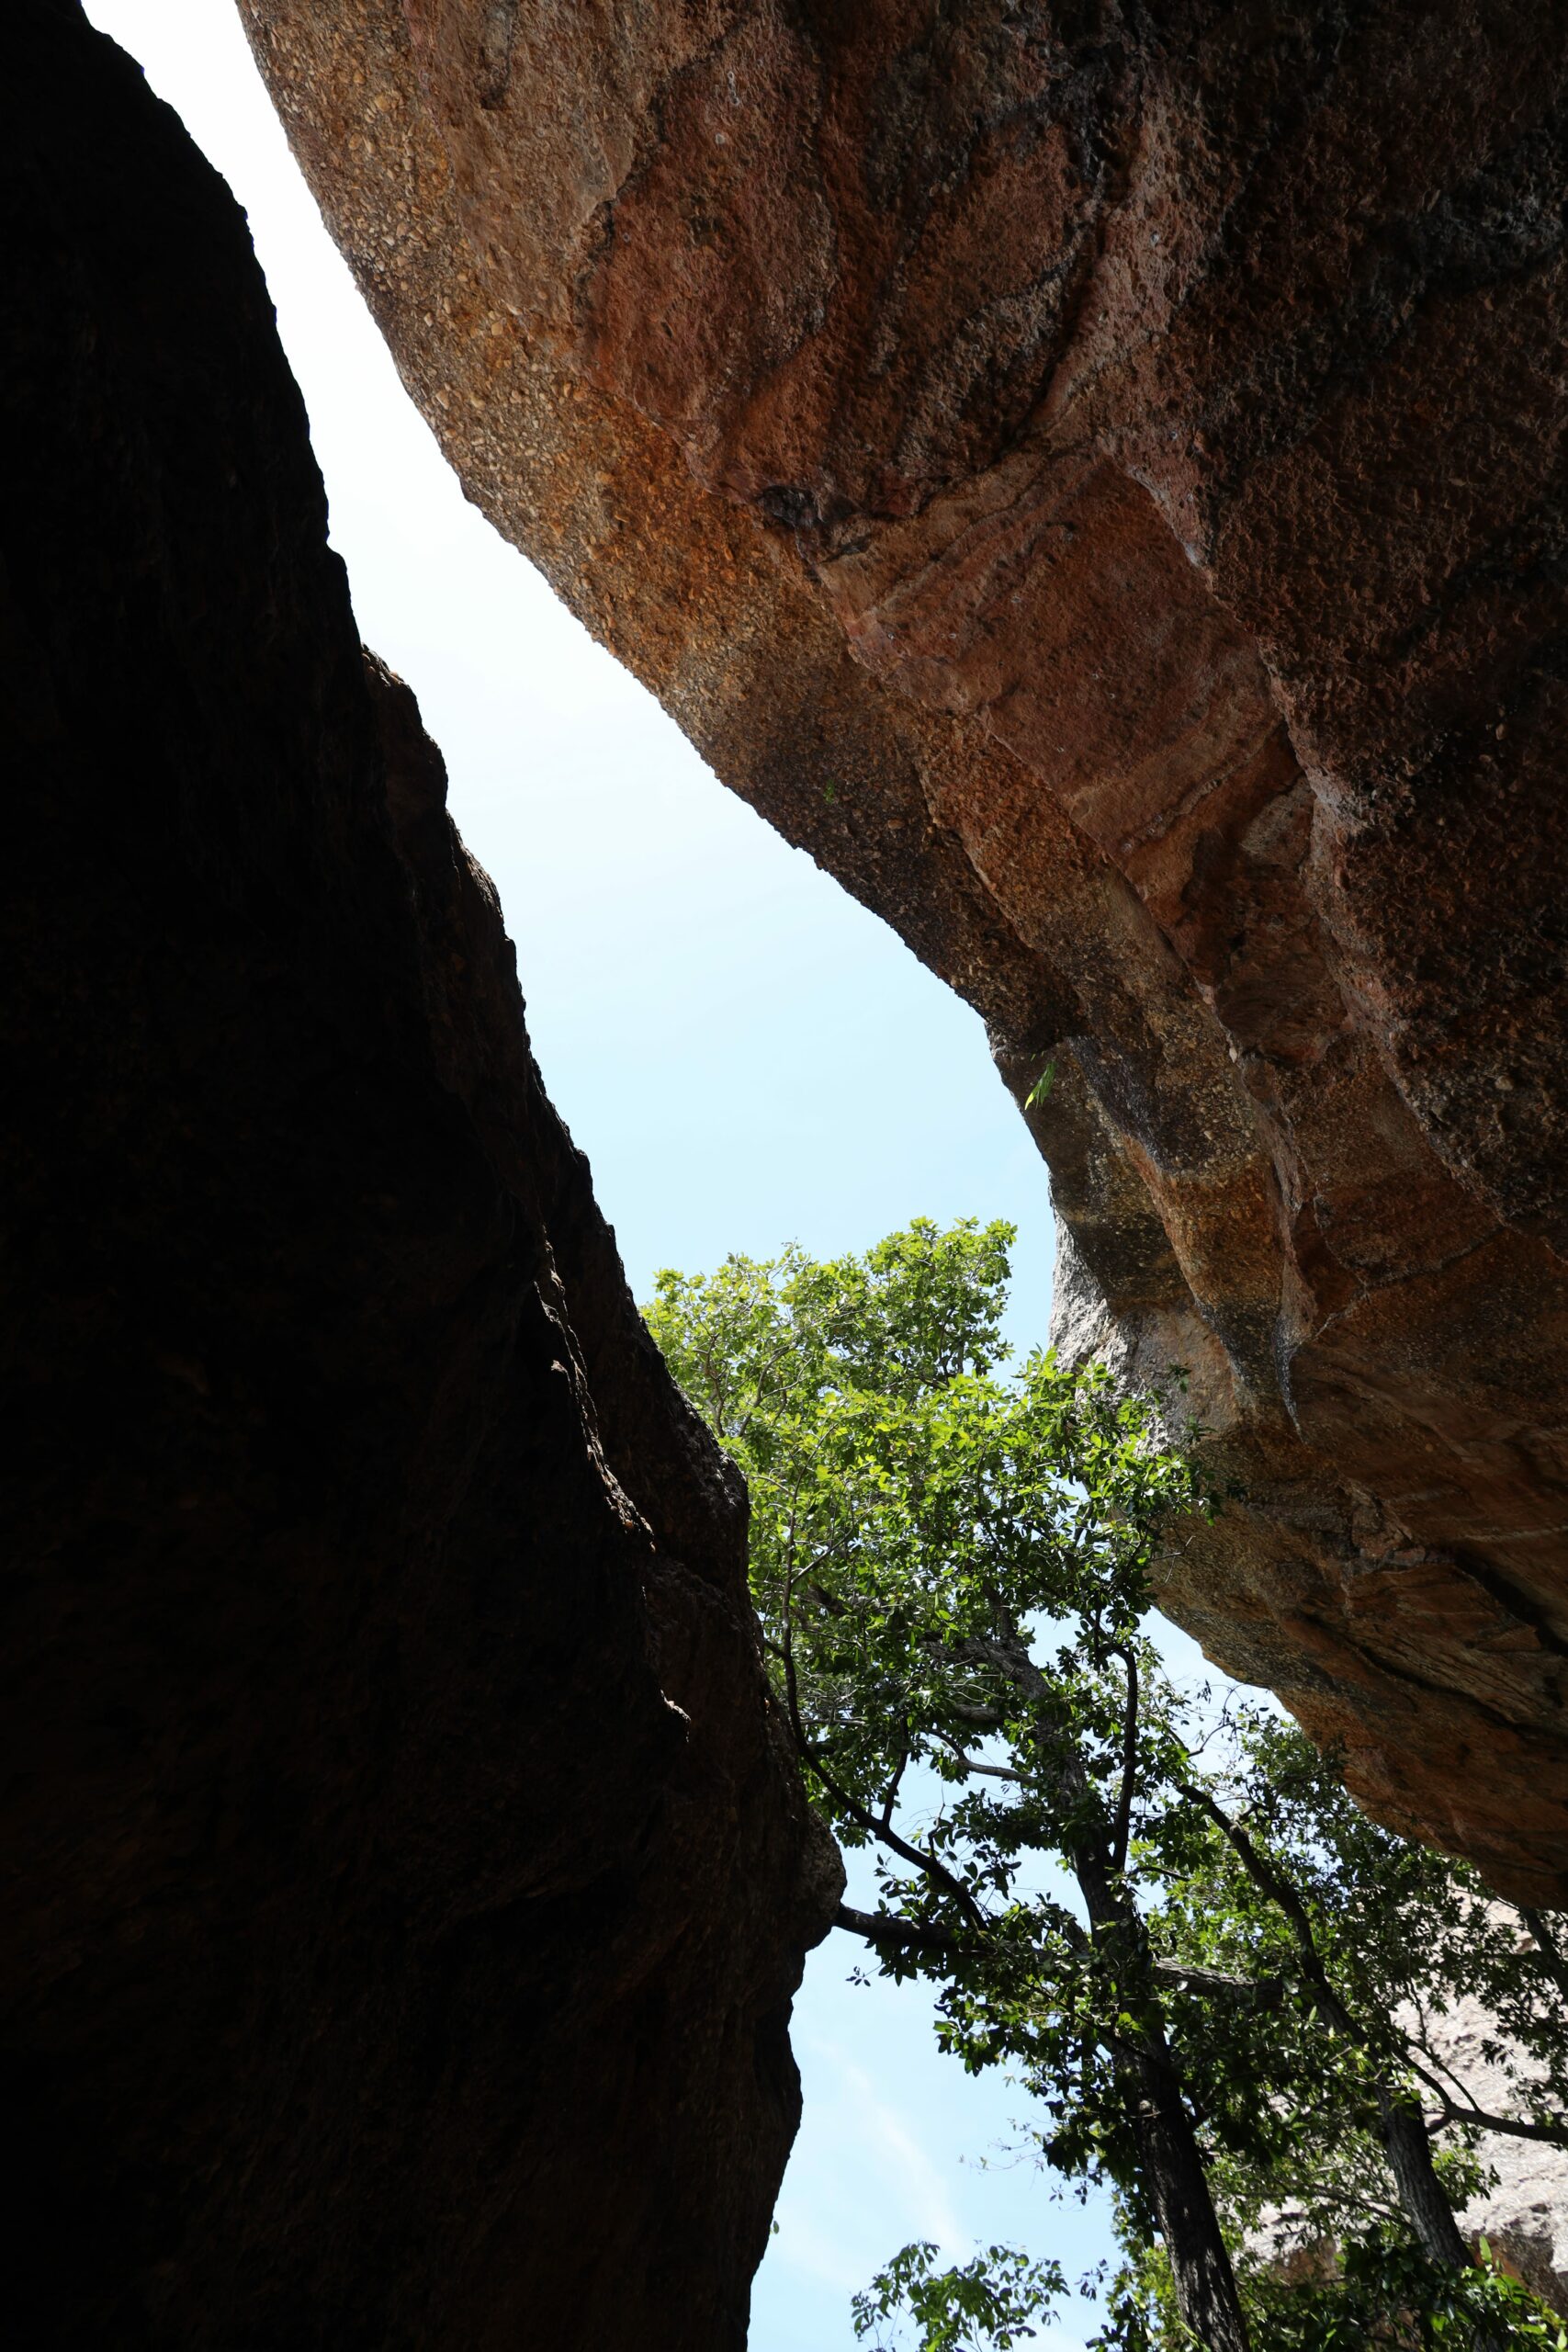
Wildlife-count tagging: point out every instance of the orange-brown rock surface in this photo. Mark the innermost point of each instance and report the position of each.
(1093, 474)
(406, 1883)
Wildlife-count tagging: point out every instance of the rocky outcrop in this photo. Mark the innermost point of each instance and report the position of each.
(1094, 477)
(1522, 2212)
(1520, 2209)
(411, 1884)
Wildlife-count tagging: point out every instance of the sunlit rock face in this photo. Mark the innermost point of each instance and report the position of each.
(409, 1881)
(1523, 2211)
(1094, 477)
(1521, 2208)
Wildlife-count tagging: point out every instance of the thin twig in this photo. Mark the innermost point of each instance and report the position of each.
(1122, 1831)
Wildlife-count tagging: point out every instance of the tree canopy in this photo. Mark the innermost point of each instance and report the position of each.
(1207, 1967)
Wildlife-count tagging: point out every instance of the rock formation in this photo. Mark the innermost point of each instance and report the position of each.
(1093, 475)
(1521, 2211)
(412, 1884)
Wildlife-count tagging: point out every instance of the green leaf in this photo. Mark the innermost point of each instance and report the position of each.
(950, 1558)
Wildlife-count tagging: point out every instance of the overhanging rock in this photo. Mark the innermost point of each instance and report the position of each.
(1095, 478)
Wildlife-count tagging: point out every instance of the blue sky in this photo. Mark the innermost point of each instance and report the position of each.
(747, 1056)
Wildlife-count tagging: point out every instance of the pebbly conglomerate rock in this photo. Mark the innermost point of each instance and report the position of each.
(410, 1883)
(1094, 475)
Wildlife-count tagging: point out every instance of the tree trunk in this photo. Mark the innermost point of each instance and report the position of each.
(1169, 2155)
(1177, 2186)
(1169, 2159)
(1409, 2150)
(1421, 2193)
(1425, 2204)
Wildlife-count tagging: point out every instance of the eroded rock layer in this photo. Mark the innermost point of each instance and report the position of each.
(410, 1885)
(1094, 475)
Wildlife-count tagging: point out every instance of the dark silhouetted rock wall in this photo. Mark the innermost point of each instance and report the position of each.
(411, 1881)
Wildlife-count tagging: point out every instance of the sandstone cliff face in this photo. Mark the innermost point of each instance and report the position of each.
(411, 1883)
(1094, 475)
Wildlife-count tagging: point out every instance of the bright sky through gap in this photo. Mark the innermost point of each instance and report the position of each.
(746, 1056)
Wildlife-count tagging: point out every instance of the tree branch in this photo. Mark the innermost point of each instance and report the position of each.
(971, 1764)
(1553, 2134)
(1516, 2127)
(1186, 1977)
(1122, 1830)
(927, 1863)
(1280, 1891)
(982, 1719)
(1278, 1888)
(884, 1931)
(1420, 2055)
(1546, 1943)
(890, 1796)
(888, 1934)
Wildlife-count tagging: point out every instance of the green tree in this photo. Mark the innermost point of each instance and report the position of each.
(951, 1564)
(1363, 1943)
(971, 2307)
(921, 1530)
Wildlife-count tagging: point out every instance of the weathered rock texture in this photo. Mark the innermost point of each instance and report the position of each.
(1522, 2212)
(1093, 474)
(410, 1887)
